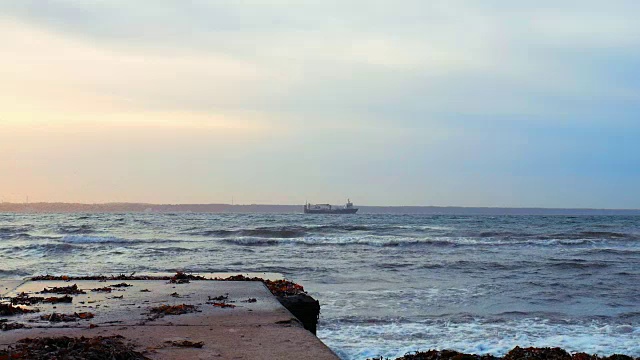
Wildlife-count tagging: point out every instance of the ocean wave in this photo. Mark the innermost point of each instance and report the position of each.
(336, 241)
(613, 251)
(14, 273)
(76, 229)
(83, 239)
(15, 235)
(476, 336)
(579, 265)
(287, 232)
(16, 231)
(591, 235)
(92, 239)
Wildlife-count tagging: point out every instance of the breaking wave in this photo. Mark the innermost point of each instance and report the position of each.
(380, 242)
(286, 232)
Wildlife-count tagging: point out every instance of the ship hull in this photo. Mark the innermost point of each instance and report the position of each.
(331, 211)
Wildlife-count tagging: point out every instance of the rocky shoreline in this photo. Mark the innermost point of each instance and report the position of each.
(517, 353)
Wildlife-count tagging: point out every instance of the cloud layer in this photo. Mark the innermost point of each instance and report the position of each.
(412, 102)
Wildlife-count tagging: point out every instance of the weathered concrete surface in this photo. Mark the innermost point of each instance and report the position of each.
(263, 329)
(6, 286)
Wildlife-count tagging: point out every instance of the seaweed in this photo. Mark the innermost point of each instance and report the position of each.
(224, 297)
(8, 310)
(55, 317)
(24, 299)
(96, 348)
(102, 289)
(57, 300)
(12, 326)
(162, 310)
(68, 290)
(222, 305)
(277, 287)
(121, 285)
(537, 353)
(186, 344)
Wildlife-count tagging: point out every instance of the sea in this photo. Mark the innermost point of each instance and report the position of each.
(387, 284)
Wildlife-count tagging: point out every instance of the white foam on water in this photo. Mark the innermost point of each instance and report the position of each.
(366, 340)
(84, 239)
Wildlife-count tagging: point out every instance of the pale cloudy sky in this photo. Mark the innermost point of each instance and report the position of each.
(452, 102)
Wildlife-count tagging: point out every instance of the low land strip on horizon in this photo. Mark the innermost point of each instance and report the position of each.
(44, 207)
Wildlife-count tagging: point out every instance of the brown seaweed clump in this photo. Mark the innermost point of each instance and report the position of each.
(25, 299)
(7, 326)
(185, 344)
(68, 290)
(162, 310)
(277, 287)
(121, 285)
(97, 348)
(55, 317)
(8, 310)
(105, 289)
(184, 278)
(556, 353)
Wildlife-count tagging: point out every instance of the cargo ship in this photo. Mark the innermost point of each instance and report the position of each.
(329, 209)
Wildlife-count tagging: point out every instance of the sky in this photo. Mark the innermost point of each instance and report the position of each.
(451, 102)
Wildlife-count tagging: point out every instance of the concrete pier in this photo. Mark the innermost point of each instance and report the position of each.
(233, 319)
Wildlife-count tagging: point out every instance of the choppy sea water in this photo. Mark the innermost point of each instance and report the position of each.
(387, 284)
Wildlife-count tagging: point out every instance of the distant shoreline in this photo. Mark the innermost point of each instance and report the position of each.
(256, 208)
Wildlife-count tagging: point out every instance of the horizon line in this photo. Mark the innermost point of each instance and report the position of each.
(291, 205)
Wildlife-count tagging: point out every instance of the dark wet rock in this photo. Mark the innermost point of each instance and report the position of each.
(517, 353)
(442, 355)
(304, 307)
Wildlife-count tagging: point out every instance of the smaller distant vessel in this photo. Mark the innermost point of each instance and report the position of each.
(329, 209)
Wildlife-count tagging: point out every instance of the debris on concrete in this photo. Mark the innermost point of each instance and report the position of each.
(68, 290)
(96, 348)
(222, 305)
(55, 317)
(105, 289)
(163, 310)
(7, 326)
(121, 285)
(186, 344)
(8, 310)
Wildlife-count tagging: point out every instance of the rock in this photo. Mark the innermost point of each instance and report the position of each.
(303, 307)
